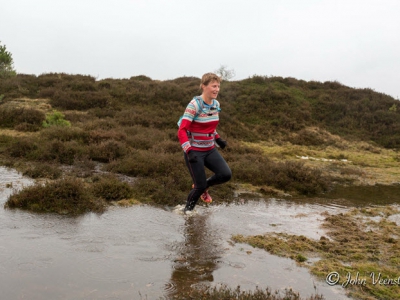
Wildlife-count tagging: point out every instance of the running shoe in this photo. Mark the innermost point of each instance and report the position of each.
(205, 197)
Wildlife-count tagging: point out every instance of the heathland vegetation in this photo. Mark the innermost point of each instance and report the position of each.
(90, 142)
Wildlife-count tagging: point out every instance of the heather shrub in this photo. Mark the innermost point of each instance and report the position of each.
(43, 170)
(26, 127)
(12, 117)
(251, 168)
(64, 153)
(72, 100)
(78, 116)
(100, 135)
(63, 196)
(78, 82)
(140, 78)
(65, 134)
(147, 164)
(236, 149)
(309, 138)
(5, 141)
(83, 167)
(22, 147)
(127, 117)
(30, 116)
(147, 116)
(287, 176)
(82, 85)
(111, 188)
(166, 190)
(167, 146)
(49, 80)
(7, 87)
(163, 177)
(144, 138)
(104, 124)
(294, 176)
(23, 85)
(47, 92)
(105, 112)
(107, 151)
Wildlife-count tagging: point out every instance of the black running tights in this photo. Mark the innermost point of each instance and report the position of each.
(213, 161)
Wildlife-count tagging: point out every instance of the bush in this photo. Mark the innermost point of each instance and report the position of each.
(43, 171)
(287, 176)
(111, 188)
(64, 153)
(163, 177)
(107, 151)
(66, 134)
(72, 100)
(292, 175)
(30, 118)
(64, 196)
(55, 118)
(22, 147)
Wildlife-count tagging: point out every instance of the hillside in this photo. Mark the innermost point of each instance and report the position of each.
(127, 127)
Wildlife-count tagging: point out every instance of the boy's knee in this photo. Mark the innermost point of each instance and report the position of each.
(226, 176)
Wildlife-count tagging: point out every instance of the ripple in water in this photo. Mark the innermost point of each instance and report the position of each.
(236, 265)
(5, 256)
(114, 269)
(170, 287)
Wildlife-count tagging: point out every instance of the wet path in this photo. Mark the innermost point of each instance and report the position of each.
(144, 252)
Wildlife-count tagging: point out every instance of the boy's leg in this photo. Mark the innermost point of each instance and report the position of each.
(217, 164)
(198, 174)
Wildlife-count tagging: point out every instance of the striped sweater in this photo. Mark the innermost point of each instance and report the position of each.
(204, 125)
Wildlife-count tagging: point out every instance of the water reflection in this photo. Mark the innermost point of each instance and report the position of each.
(197, 255)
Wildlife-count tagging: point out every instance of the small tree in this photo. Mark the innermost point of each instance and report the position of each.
(6, 63)
(224, 73)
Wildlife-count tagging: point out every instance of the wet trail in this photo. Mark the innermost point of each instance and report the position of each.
(144, 252)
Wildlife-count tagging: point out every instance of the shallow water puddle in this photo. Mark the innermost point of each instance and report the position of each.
(143, 251)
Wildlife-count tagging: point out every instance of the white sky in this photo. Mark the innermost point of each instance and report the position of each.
(355, 42)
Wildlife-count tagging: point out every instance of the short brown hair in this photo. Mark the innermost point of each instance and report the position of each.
(209, 77)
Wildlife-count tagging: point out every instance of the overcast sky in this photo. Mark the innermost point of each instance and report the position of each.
(355, 42)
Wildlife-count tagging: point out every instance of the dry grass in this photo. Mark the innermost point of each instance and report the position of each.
(24, 102)
(226, 293)
(15, 133)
